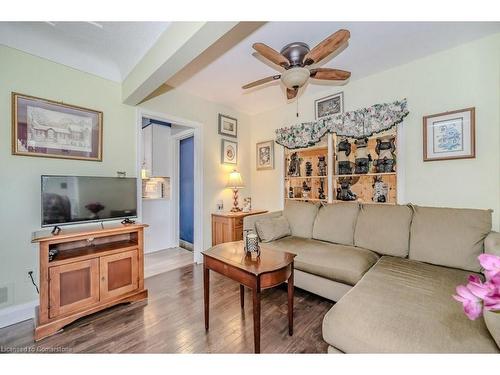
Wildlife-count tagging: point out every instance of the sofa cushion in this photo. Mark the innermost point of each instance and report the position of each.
(300, 216)
(492, 320)
(403, 306)
(384, 229)
(449, 237)
(270, 229)
(335, 223)
(345, 264)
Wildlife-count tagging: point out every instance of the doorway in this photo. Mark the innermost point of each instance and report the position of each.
(180, 129)
(186, 193)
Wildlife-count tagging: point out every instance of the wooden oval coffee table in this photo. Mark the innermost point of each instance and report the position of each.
(271, 269)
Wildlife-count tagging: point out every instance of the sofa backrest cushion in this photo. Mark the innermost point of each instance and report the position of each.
(384, 229)
(273, 228)
(451, 237)
(336, 222)
(300, 216)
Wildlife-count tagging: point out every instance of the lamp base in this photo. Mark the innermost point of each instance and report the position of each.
(235, 201)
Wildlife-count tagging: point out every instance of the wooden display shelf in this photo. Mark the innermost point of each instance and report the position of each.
(307, 199)
(303, 177)
(365, 174)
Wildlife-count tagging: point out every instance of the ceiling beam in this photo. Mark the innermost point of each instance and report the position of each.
(182, 45)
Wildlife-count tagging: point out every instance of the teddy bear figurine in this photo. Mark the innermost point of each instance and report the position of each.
(385, 150)
(343, 151)
(344, 192)
(362, 156)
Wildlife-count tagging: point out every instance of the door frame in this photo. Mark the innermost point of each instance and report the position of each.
(197, 131)
(176, 180)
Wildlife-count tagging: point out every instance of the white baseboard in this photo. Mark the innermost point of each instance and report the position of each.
(17, 313)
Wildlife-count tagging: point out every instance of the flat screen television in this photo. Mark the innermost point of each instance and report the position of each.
(81, 199)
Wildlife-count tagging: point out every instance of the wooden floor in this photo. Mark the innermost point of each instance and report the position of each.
(166, 260)
(172, 322)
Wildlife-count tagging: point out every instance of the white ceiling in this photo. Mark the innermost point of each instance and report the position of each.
(373, 47)
(106, 49)
(112, 49)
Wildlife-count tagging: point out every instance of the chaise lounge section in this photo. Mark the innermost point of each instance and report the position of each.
(392, 270)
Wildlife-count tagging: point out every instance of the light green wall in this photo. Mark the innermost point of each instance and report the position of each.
(20, 175)
(466, 76)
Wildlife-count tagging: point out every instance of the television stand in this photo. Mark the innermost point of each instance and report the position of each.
(56, 230)
(89, 271)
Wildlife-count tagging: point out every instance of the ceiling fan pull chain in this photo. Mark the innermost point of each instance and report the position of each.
(297, 106)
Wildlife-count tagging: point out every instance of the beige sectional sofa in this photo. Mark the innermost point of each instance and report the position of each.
(392, 270)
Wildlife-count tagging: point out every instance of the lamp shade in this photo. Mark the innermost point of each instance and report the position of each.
(235, 181)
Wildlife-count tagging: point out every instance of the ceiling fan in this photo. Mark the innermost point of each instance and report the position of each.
(296, 57)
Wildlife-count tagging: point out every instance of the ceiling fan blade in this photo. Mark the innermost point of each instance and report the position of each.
(330, 74)
(327, 46)
(291, 93)
(261, 81)
(271, 54)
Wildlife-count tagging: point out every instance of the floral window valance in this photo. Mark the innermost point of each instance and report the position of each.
(354, 124)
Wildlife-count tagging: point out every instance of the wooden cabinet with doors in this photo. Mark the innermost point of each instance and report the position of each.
(93, 270)
(228, 226)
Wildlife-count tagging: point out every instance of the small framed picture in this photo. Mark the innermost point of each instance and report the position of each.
(42, 127)
(228, 126)
(329, 105)
(450, 135)
(229, 152)
(265, 155)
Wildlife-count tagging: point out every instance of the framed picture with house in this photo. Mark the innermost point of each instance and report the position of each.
(42, 127)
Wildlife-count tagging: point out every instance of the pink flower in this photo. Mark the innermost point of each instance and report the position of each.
(472, 305)
(477, 295)
(491, 265)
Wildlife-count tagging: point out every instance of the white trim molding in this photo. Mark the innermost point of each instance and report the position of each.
(18, 313)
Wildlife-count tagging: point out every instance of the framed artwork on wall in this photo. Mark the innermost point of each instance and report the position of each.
(265, 155)
(228, 126)
(329, 105)
(450, 135)
(229, 152)
(46, 128)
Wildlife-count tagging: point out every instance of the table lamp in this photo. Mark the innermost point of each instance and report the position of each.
(235, 182)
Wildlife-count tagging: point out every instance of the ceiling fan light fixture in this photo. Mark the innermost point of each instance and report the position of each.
(295, 77)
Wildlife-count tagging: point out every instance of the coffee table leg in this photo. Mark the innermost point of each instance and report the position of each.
(256, 315)
(242, 296)
(206, 290)
(290, 303)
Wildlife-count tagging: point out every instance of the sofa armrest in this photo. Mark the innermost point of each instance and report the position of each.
(492, 243)
(249, 221)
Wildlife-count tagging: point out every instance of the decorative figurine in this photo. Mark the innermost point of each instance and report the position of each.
(309, 168)
(344, 192)
(343, 152)
(380, 190)
(294, 166)
(321, 166)
(290, 192)
(362, 157)
(385, 150)
(305, 190)
(321, 190)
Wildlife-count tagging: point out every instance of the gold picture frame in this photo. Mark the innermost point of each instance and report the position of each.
(51, 129)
